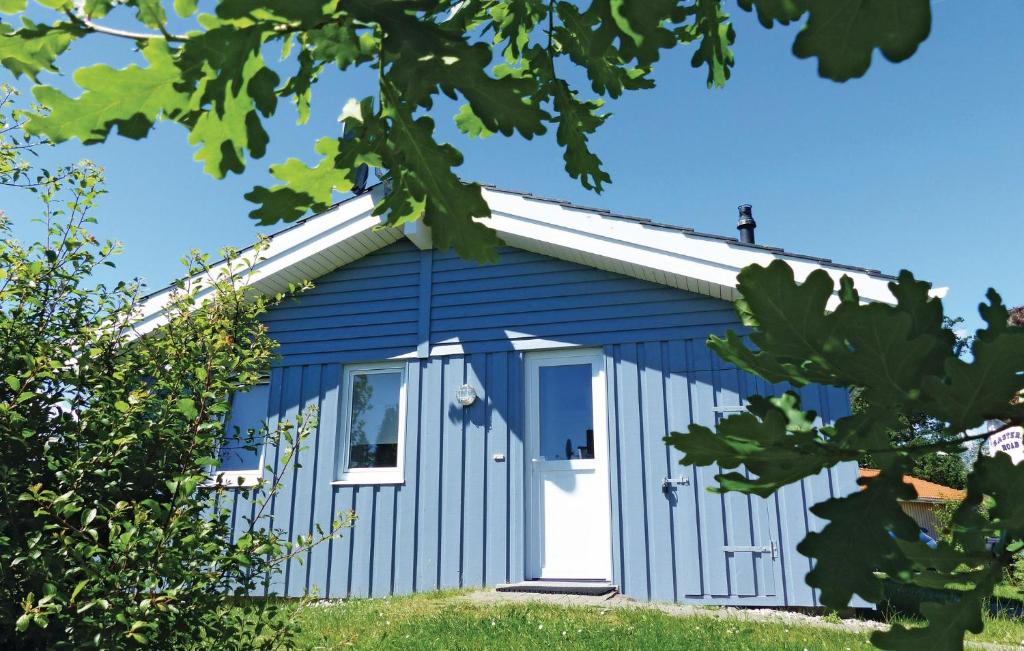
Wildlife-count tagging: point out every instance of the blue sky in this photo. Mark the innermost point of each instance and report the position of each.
(918, 165)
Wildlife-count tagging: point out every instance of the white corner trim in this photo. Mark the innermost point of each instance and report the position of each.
(419, 234)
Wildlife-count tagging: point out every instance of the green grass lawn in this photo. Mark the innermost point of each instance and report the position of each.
(446, 621)
(1001, 630)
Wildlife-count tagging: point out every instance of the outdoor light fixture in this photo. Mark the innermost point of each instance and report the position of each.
(466, 395)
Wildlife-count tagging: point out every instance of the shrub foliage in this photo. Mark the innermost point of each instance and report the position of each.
(905, 362)
(111, 533)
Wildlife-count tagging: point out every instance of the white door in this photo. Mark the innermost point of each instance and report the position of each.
(569, 533)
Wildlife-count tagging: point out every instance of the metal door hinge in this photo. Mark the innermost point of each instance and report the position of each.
(772, 549)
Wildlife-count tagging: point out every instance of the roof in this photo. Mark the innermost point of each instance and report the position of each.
(686, 229)
(670, 255)
(927, 491)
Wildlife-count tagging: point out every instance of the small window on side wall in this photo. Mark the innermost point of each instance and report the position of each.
(241, 451)
(372, 437)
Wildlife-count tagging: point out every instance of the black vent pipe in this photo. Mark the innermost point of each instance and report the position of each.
(746, 224)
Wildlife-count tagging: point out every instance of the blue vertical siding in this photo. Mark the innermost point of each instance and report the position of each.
(447, 525)
(682, 544)
(405, 559)
(530, 297)
(459, 518)
(368, 309)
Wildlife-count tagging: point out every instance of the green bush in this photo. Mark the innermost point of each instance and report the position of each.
(1013, 579)
(111, 533)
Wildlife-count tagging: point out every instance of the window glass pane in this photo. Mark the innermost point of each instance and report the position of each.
(242, 447)
(373, 424)
(566, 412)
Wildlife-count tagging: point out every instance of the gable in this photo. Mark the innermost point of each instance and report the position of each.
(662, 254)
(533, 300)
(366, 310)
(400, 301)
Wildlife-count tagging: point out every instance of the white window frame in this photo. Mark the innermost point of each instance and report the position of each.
(245, 478)
(369, 476)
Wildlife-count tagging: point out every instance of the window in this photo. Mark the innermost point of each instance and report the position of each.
(241, 451)
(371, 446)
(566, 411)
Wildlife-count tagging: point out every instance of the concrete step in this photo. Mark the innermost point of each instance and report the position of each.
(593, 588)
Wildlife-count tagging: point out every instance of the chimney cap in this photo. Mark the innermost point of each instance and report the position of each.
(746, 214)
(746, 223)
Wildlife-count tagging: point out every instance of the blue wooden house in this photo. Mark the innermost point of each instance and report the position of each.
(493, 424)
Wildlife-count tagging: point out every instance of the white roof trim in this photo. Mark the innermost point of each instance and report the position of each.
(683, 258)
(343, 234)
(676, 257)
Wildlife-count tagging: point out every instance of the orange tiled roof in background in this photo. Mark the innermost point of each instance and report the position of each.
(926, 491)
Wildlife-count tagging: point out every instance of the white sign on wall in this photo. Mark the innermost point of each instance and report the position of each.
(1010, 441)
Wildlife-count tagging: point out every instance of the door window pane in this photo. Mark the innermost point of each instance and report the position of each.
(242, 448)
(566, 412)
(373, 420)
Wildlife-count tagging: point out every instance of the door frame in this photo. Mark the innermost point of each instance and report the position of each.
(534, 522)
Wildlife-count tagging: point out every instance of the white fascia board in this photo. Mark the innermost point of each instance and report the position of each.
(284, 251)
(672, 252)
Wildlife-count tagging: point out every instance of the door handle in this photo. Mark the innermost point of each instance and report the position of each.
(669, 483)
